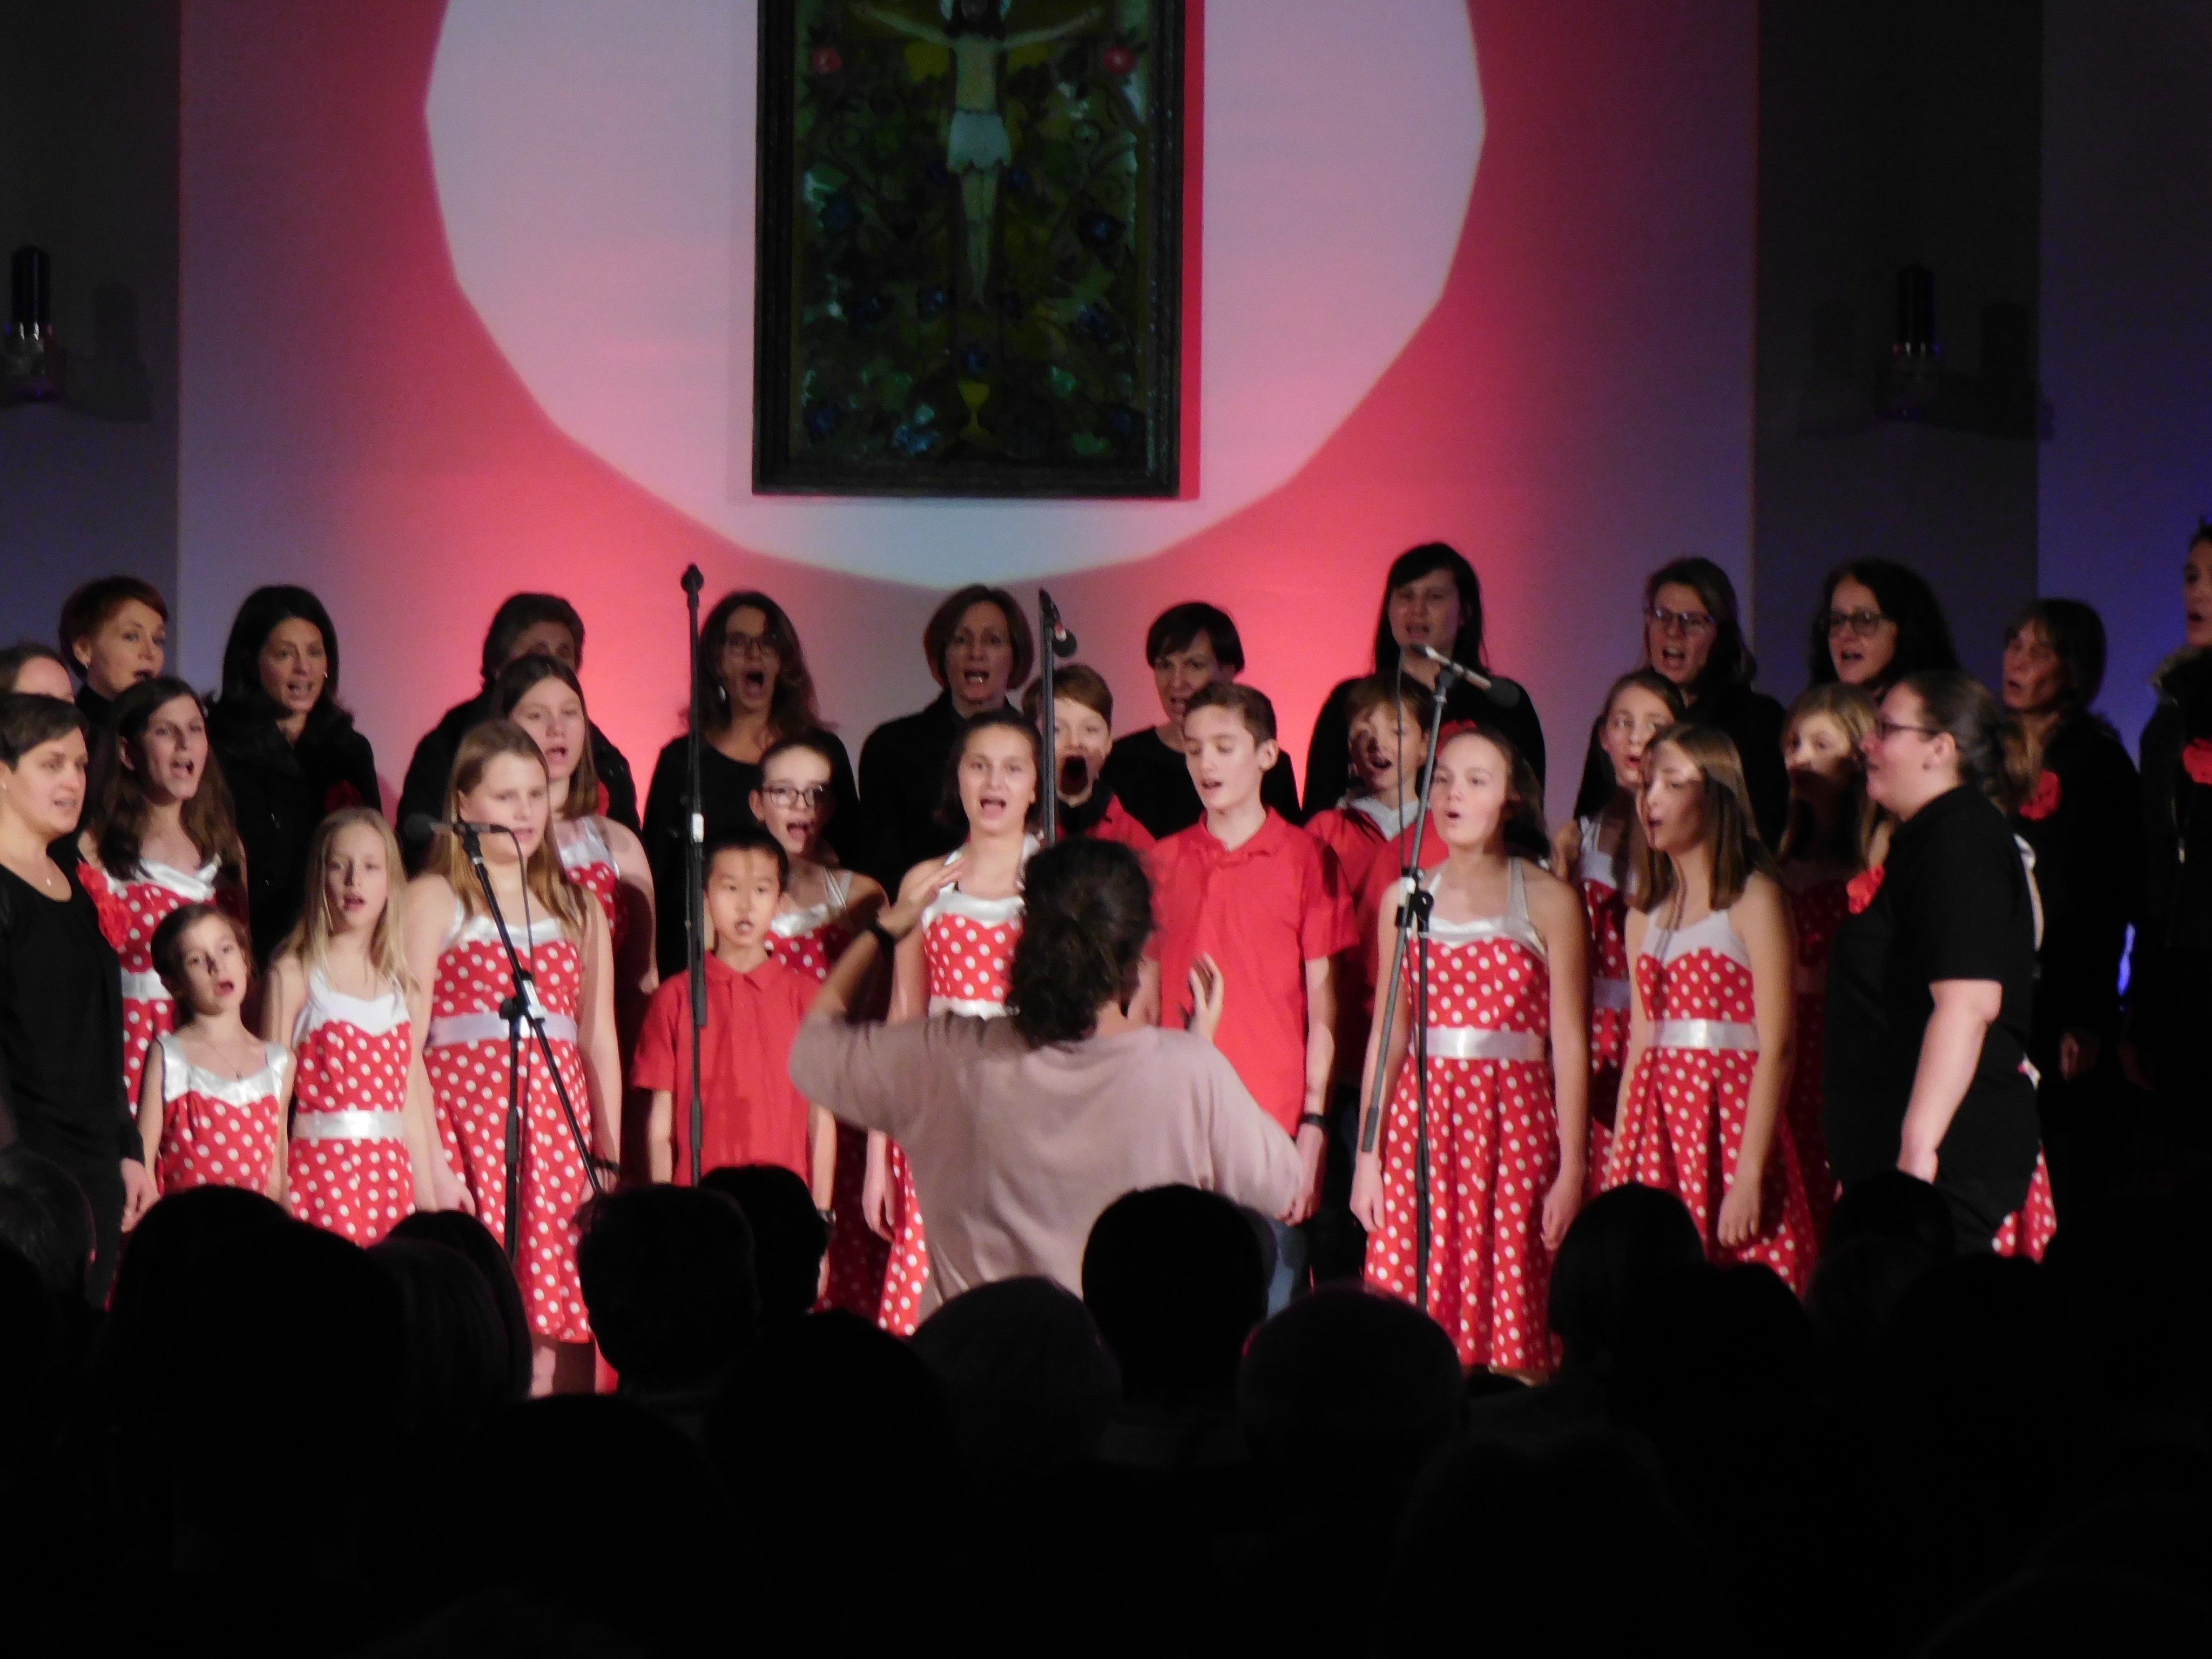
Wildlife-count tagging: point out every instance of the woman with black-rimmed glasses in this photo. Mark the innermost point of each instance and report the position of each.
(1878, 621)
(1693, 634)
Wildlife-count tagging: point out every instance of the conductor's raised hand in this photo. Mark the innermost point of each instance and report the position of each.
(1206, 989)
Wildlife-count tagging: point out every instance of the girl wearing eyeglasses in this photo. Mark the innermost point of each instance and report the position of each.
(1931, 980)
(1692, 637)
(1878, 621)
(755, 690)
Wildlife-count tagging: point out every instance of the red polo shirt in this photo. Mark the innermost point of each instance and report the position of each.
(1117, 825)
(1368, 862)
(753, 1111)
(1262, 910)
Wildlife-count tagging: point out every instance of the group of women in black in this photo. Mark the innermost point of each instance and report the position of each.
(2004, 843)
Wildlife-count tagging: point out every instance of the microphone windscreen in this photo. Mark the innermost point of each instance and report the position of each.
(419, 826)
(1503, 693)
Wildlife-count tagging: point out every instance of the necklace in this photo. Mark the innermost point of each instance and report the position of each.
(238, 1070)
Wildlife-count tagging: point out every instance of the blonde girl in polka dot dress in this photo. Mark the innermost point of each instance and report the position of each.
(211, 1101)
(160, 838)
(364, 1150)
(957, 960)
(453, 947)
(1709, 1045)
(823, 908)
(1507, 962)
(1602, 851)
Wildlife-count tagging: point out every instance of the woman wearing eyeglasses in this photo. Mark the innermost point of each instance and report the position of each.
(755, 692)
(1692, 635)
(1931, 980)
(1878, 621)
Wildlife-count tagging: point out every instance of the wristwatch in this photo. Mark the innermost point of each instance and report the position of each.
(1315, 1119)
(886, 939)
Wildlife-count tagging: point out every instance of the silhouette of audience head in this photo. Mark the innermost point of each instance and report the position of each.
(31, 1342)
(1176, 1281)
(790, 1238)
(459, 1367)
(458, 1231)
(1894, 1205)
(44, 1213)
(2136, 1277)
(1620, 1244)
(1029, 1384)
(667, 1275)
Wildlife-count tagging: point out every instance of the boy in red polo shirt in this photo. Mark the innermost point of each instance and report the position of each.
(1248, 894)
(751, 1111)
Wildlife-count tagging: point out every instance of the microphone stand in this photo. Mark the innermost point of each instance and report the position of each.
(695, 873)
(523, 1008)
(1413, 918)
(1058, 642)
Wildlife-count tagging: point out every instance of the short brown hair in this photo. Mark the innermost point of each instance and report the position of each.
(1079, 683)
(1248, 705)
(937, 634)
(1380, 692)
(85, 612)
(169, 947)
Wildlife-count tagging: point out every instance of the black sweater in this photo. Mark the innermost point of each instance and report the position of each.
(2085, 824)
(902, 786)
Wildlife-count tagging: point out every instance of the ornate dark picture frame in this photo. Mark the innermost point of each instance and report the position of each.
(969, 270)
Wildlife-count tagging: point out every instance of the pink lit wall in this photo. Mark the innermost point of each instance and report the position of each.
(436, 348)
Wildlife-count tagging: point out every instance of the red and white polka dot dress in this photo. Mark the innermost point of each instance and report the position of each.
(1682, 1117)
(129, 910)
(2027, 1231)
(968, 945)
(1817, 909)
(466, 1057)
(1600, 877)
(218, 1131)
(349, 1169)
(810, 940)
(591, 865)
(1493, 1135)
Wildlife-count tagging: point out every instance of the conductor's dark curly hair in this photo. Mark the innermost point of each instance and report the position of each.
(1087, 913)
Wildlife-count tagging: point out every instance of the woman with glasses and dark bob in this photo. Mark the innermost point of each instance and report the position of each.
(1692, 634)
(1931, 980)
(755, 692)
(1878, 621)
(2082, 817)
(1431, 596)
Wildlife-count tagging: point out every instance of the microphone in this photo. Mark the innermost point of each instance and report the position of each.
(692, 579)
(1505, 694)
(420, 826)
(1063, 642)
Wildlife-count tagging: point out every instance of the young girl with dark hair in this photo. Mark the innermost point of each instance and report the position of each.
(1431, 596)
(1601, 851)
(1931, 980)
(823, 907)
(160, 838)
(957, 960)
(756, 690)
(1834, 832)
(2082, 819)
(290, 753)
(1709, 1041)
(1693, 638)
(1878, 621)
(453, 948)
(211, 1105)
(1503, 968)
(364, 1153)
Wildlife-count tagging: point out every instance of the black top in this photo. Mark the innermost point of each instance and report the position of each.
(1328, 756)
(61, 1027)
(1954, 904)
(2177, 809)
(432, 768)
(2084, 822)
(280, 791)
(1752, 721)
(902, 784)
(1153, 783)
(726, 784)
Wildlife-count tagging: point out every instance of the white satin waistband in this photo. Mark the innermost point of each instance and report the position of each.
(973, 1007)
(348, 1125)
(145, 987)
(1609, 993)
(1712, 1034)
(1484, 1042)
(449, 1030)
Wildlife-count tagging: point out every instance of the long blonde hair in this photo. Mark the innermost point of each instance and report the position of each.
(309, 942)
(1851, 835)
(1733, 835)
(544, 874)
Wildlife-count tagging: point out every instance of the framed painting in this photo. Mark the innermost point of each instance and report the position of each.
(968, 270)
